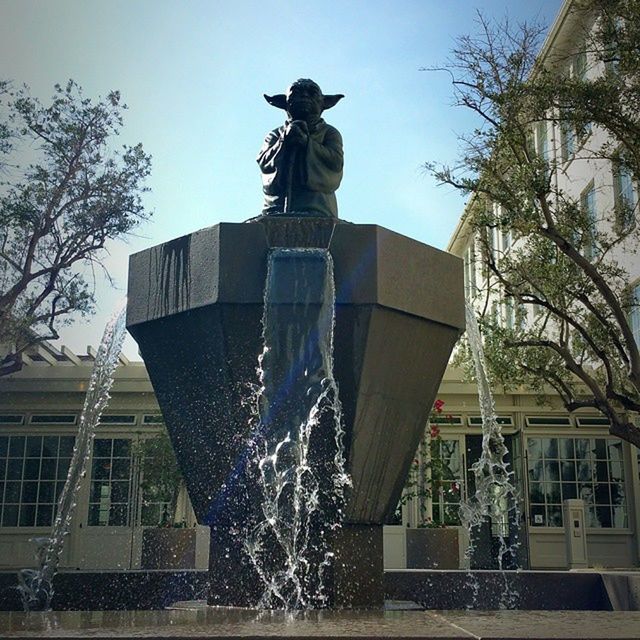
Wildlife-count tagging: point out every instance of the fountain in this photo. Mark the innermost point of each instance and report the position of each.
(296, 492)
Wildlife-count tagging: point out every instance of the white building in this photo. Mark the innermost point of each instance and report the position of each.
(554, 455)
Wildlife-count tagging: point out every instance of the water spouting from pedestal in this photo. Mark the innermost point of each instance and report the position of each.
(36, 585)
(298, 435)
(495, 498)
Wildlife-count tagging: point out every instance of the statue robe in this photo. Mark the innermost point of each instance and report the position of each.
(314, 169)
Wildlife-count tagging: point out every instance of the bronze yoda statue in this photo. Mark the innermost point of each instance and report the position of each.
(301, 161)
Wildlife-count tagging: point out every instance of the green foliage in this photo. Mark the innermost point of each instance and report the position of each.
(161, 477)
(65, 192)
(561, 273)
(430, 476)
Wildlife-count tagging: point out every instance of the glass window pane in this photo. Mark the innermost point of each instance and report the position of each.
(585, 470)
(585, 492)
(551, 470)
(14, 468)
(34, 446)
(534, 448)
(63, 468)
(45, 515)
(50, 447)
(118, 515)
(554, 515)
(120, 469)
(48, 469)
(46, 492)
(550, 447)
(619, 517)
(101, 468)
(16, 446)
(121, 448)
(28, 515)
(4, 445)
(119, 491)
(568, 470)
(29, 492)
(66, 446)
(538, 515)
(12, 492)
(535, 492)
(583, 450)
(569, 490)
(10, 515)
(102, 448)
(567, 450)
(32, 468)
(552, 491)
(602, 471)
(600, 448)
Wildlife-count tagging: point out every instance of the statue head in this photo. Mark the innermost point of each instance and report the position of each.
(304, 100)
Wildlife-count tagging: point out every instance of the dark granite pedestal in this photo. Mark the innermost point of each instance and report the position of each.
(195, 308)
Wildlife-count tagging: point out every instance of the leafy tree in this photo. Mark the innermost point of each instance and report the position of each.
(556, 298)
(64, 193)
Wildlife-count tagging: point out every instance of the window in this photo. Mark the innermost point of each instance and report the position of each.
(567, 141)
(114, 419)
(504, 421)
(53, 419)
(624, 194)
(507, 238)
(542, 140)
(591, 469)
(111, 473)
(634, 312)
(470, 271)
(33, 470)
(509, 313)
(588, 206)
(579, 63)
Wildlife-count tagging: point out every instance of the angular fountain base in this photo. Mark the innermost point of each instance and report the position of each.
(354, 581)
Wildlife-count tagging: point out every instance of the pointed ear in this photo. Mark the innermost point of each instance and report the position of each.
(279, 100)
(331, 101)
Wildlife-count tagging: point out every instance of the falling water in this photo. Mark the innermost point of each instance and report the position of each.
(36, 585)
(299, 450)
(495, 495)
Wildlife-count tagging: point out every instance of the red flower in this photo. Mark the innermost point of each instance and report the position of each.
(435, 431)
(437, 405)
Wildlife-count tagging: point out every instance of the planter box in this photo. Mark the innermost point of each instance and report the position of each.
(168, 548)
(433, 549)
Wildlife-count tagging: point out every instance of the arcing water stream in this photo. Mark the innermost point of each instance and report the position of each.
(299, 450)
(36, 585)
(495, 495)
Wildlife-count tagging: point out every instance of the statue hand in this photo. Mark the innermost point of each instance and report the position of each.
(297, 132)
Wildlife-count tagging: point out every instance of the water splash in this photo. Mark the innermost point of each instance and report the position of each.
(298, 441)
(495, 497)
(36, 585)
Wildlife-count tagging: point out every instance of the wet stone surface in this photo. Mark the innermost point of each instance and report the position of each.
(201, 621)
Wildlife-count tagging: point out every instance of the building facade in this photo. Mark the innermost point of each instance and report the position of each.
(555, 456)
(39, 411)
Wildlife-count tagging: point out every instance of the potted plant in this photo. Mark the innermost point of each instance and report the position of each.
(434, 491)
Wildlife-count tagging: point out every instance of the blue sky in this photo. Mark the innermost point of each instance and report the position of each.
(193, 74)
